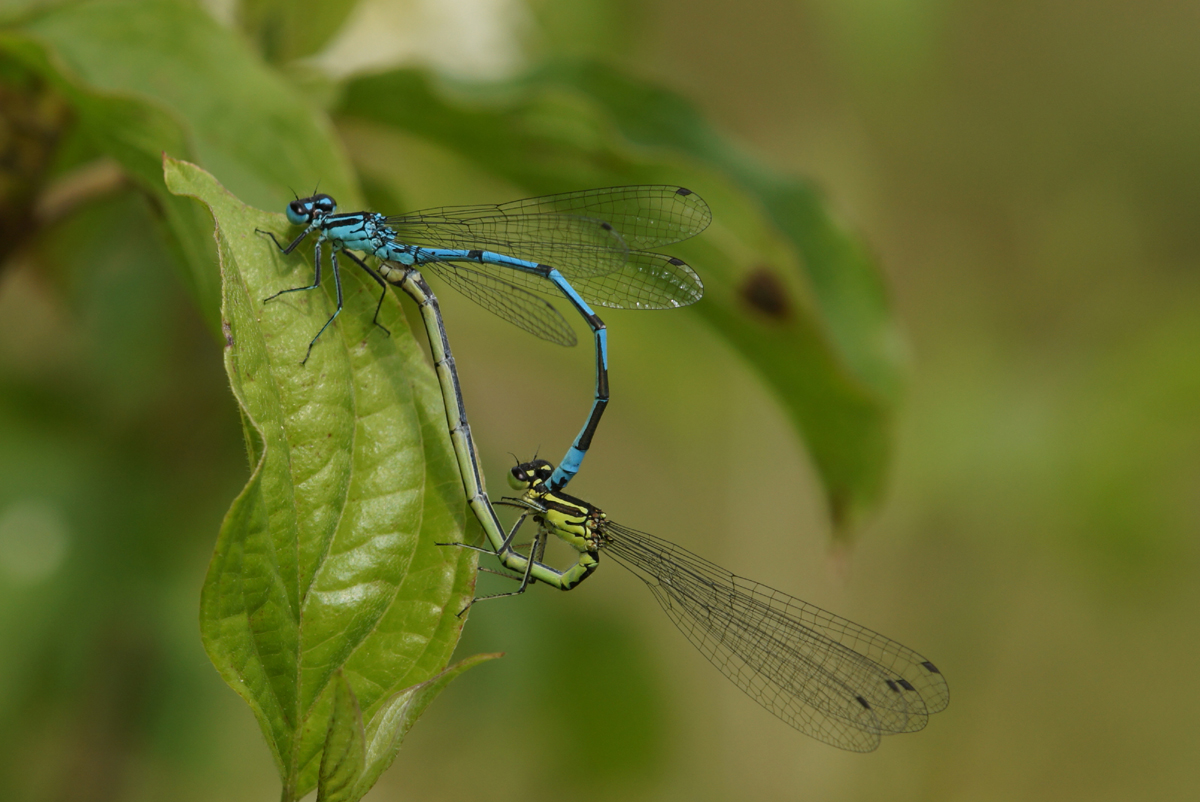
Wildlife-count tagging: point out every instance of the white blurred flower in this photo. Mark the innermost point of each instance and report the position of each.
(465, 38)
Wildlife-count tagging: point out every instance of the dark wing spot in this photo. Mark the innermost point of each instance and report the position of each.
(930, 667)
(675, 261)
(906, 685)
(682, 191)
(764, 292)
(863, 702)
(893, 686)
(606, 226)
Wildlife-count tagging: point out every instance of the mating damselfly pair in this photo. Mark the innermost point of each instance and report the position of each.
(823, 675)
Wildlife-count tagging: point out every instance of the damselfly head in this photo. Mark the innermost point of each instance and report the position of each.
(304, 210)
(530, 474)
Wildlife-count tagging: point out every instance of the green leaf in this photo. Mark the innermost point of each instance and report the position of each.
(397, 716)
(286, 30)
(345, 747)
(354, 757)
(794, 292)
(327, 561)
(186, 86)
(850, 291)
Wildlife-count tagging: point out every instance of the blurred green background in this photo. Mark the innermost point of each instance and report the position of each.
(1028, 176)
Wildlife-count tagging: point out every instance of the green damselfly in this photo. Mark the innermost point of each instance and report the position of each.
(830, 678)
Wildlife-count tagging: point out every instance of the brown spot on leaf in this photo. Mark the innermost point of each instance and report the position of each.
(765, 293)
(227, 330)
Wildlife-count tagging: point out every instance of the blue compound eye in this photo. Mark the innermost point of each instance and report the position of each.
(323, 204)
(299, 212)
(304, 210)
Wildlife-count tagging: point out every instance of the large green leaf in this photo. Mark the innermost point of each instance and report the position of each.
(183, 85)
(327, 561)
(789, 288)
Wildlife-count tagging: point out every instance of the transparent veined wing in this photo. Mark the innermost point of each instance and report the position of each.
(830, 678)
(645, 281)
(514, 304)
(586, 233)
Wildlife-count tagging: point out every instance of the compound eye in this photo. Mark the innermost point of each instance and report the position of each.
(298, 211)
(518, 479)
(324, 203)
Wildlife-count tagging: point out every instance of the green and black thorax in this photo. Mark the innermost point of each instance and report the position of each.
(579, 524)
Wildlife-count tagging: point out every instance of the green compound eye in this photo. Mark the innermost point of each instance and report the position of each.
(518, 479)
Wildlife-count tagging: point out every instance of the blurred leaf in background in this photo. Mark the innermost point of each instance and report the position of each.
(793, 292)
